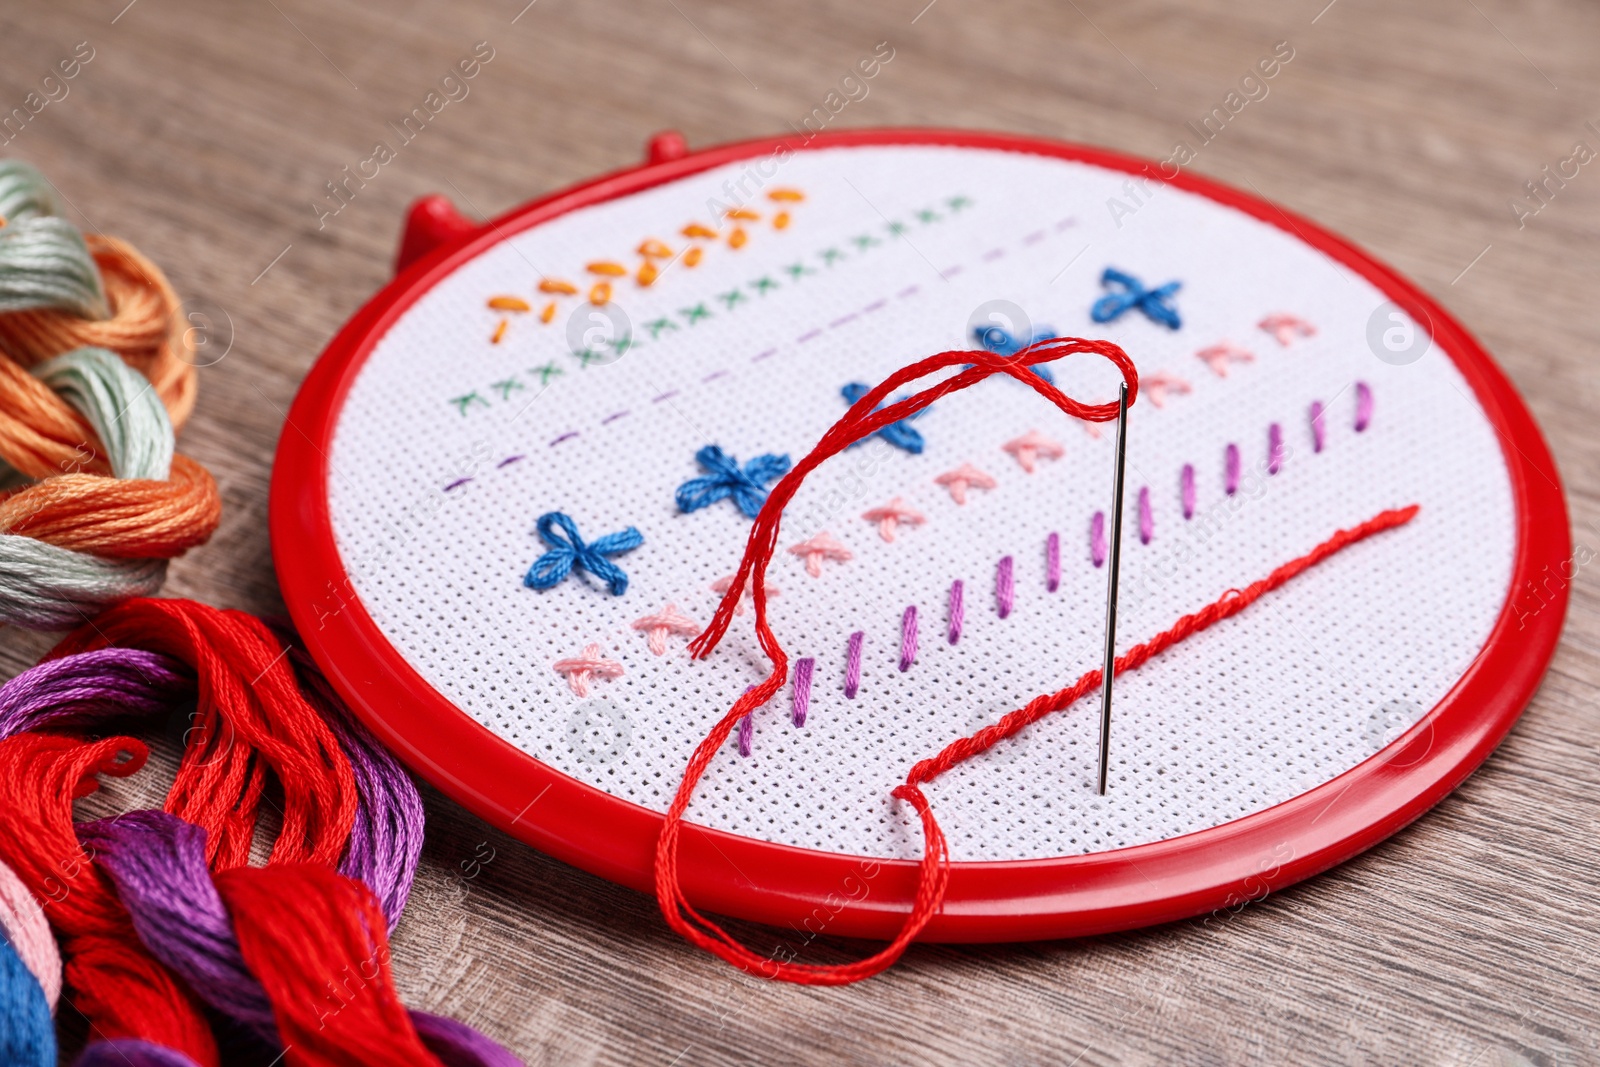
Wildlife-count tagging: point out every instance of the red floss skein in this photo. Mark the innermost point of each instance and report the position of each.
(250, 718)
(113, 980)
(316, 941)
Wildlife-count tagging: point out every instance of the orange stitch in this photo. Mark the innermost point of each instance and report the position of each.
(600, 293)
(694, 229)
(780, 220)
(499, 331)
(737, 238)
(555, 285)
(793, 196)
(741, 213)
(509, 303)
(606, 267)
(652, 247)
(692, 257)
(647, 273)
(548, 313)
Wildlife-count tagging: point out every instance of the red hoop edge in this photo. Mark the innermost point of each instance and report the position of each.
(819, 892)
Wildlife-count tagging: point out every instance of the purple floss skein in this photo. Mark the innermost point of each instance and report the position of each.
(386, 839)
(91, 687)
(156, 861)
(131, 1052)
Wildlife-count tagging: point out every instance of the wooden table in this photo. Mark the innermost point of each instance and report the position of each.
(205, 133)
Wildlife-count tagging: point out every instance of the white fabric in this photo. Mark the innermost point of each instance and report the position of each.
(1301, 687)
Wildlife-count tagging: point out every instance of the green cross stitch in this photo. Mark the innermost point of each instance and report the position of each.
(830, 256)
(956, 203)
(694, 314)
(658, 325)
(865, 241)
(462, 403)
(507, 387)
(797, 269)
(731, 297)
(764, 285)
(545, 373)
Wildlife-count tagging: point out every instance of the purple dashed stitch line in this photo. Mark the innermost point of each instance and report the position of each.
(1097, 539)
(1319, 426)
(993, 254)
(802, 690)
(1066, 224)
(1052, 562)
(836, 323)
(665, 396)
(613, 417)
(509, 460)
(1230, 472)
(1034, 238)
(714, 375)
(875, 305)
(910, 290)
(1147, 522)
(809, 335)
(1004, 588)
(951, 272)
(1274, 448)
(457, 484)
(908, 637)
(1186, 488)
(852, 664)
(564, 437)
(957, 609)
(768, 354)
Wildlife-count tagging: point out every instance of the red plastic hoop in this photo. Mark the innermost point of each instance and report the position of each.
(1220, 867)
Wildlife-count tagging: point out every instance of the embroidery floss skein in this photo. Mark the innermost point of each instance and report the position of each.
(262, 946)
(111, 501)
(934, 867)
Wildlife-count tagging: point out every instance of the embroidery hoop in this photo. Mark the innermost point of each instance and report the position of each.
(987, 901)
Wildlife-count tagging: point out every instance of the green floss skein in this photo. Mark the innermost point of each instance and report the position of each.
(43, 259)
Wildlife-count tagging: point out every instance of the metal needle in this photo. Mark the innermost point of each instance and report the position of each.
(1111, 585)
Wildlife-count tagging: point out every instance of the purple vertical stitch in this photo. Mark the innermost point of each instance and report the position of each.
(1052, 562)
(747, 729)
(1274, 448)
(1363, 406)
(1147, 522)
(957, 609)
(1003, 589)
(1230, 473)
(508, 461)
(1097, 538)
(908, 637)
(1319, 427)
(1186, 488)
(802, 690)
(852, 665)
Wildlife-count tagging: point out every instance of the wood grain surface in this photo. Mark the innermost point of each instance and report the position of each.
(204, 133)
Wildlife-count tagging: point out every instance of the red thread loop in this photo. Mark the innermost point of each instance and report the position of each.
(934, 868)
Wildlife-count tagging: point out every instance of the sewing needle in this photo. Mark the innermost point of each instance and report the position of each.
(1111, 585)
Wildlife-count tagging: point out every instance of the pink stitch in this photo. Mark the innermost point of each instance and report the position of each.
(1274, 448)
(1147, 521)
(1186, 488)
(569, 435)
(581, 670)
(1033, 238)
(747, 732)
(802, 690)
(891, 515)
(1032, 445)
(613, 417)
(768, 354)
(1286, 327)
(836, 323)
(874, 306)
(1091, 429)
(665, 396)
(957, 609)
(1319, 426)
(1003, 586)
(951, 272)
(1097, 538)
(821, 547)
(993, 254)
(1066, 223)
(852, 664)
(714, 375)
(1052, 562)
(458, 483)
(910, 290)
(509, 460)
(722, 585)
(961, 479)
(809, 335)
(1219, 355)
(669, 620)
(1363, 406)
(1158, 385)
(908, 637)
(1230, 471)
